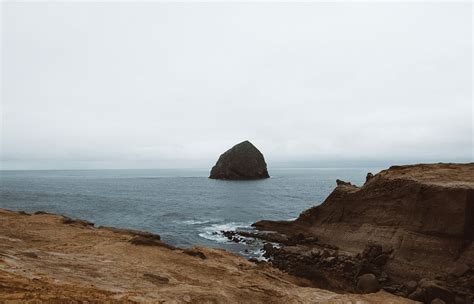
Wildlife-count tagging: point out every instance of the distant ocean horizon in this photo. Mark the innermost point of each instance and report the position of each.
(184, 206)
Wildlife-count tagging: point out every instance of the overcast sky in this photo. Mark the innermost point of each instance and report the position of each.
(149, 85)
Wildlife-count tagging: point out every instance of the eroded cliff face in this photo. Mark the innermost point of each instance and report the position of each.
(422, 215)
(397, 198)
(421, 211)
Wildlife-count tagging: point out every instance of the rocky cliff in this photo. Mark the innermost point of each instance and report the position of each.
(409, 226)
(242, 161)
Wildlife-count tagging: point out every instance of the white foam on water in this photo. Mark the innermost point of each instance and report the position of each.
(197, 222)
(256, 253)
(214, 233)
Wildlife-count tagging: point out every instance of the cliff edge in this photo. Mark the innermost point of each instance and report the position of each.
(415, 223)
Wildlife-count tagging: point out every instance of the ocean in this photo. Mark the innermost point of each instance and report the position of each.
(185, 207)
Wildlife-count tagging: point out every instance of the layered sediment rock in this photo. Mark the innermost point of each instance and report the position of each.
(241, 162)
(421, 216)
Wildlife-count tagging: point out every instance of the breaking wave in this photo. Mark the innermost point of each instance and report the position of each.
(214, 232)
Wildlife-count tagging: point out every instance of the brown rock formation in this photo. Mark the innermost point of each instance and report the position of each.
(242, 161)
(422, 214)
(52, 259)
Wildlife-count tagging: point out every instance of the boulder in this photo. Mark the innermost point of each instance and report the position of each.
(329, 260)
(410, 286)
(381, 259)
(368, 177)
(416, 295)
(368, 283)
(242, 162)
(432, 289)
(459, 270)
(342, 183)
(269, 250)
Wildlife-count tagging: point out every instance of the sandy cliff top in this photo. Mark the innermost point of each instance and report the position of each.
(438, 174)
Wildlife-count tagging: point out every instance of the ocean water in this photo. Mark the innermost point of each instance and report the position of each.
(184, 206)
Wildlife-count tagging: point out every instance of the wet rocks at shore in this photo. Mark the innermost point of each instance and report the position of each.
(331, 268)
(305, 256)
(273, 237)
(241, 162)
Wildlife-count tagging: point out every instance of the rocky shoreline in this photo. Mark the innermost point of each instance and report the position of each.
(408, 230)
(330, 268)
(405, 235)
(56, 259)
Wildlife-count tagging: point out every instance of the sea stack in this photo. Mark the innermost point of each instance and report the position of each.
(241, 162)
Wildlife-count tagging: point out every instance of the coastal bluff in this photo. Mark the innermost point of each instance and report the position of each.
(241, 162)
(47, 258)
(408, 230)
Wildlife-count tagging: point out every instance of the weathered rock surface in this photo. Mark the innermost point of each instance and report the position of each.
(420, 216)
(46, 258)
(241, 162)
(368, 283)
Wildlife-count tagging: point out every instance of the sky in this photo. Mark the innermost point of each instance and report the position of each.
(97, 85)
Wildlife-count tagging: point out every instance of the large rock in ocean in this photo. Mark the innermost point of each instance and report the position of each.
(242, 161)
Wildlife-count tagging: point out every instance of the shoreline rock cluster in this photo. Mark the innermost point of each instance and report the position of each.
(408, 230)
(329, 268)
(323, 263)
